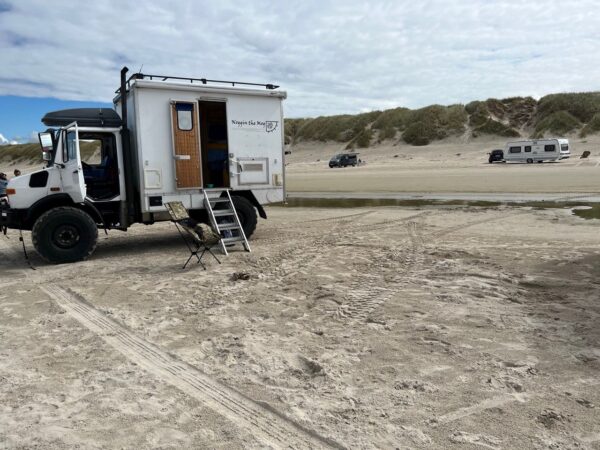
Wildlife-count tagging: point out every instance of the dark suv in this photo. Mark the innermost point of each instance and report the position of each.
(344, 160)
(496, 156)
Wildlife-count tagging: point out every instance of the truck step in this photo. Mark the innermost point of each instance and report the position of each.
(219, 200)
(233, 239)
(228, 226)
(223, 212)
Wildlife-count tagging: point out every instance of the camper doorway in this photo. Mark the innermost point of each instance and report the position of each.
(214, 144)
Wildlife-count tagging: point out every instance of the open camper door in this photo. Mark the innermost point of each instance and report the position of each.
(71, 170)
(186, 145)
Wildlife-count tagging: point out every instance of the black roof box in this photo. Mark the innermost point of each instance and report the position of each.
(85, 117)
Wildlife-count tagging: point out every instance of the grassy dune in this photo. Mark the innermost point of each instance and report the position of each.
(552, 115)
(31, 154)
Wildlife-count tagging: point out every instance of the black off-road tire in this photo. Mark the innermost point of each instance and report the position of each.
(246, 213)
(65, 235)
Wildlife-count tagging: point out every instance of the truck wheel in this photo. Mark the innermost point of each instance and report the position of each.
(246, 213)
(65, 235)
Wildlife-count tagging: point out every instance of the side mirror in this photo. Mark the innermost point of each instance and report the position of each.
(47, 144)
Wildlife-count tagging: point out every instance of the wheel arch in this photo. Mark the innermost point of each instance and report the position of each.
(56, 201)
(248, 195)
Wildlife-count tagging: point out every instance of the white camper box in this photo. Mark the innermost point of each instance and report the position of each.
(537, 150)
(189, 136)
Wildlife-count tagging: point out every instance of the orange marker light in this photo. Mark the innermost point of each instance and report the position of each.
(11, 191)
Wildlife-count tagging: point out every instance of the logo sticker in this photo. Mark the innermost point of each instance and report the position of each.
(271, 125)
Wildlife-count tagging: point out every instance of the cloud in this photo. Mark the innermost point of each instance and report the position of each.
(4, 141)
(32, 138)
(331, 56)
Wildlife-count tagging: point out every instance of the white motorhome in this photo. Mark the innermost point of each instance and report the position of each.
(197, 141)
(537, 150)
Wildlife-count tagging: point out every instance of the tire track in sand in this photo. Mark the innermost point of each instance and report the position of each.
(263, 422)
(366, 293)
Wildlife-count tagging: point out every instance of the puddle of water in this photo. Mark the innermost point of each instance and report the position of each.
(374, 202)
(592, 210)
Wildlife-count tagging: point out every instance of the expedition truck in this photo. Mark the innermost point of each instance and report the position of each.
(539, 150)
(175, 139)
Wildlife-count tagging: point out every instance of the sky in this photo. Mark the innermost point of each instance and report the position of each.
(331, 56)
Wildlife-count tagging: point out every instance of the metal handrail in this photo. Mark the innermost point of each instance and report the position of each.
(142, 76)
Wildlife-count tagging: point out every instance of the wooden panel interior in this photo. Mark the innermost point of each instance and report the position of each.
(187, 143)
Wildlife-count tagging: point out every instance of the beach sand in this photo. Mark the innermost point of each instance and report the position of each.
(437, 327)
(442, 167)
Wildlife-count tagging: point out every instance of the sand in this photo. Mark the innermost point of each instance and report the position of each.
(361, 327)
(388, 327)
(442, 167)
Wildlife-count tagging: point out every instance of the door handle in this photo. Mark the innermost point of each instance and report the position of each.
(76, 171)
(239, 165)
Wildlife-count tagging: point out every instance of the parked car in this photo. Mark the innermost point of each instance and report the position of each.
(344, 160)
(496, 156)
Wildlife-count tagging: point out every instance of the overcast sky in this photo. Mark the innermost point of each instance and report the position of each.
(332, 57)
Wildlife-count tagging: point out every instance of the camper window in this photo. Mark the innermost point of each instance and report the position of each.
(564, 147)
(514, 149)
(549, 148)
(528, 148)
(184, 116)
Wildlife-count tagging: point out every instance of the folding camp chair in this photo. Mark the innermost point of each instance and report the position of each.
(200, 237)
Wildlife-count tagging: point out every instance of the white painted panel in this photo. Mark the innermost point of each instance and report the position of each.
(153, 178)
(253, 171)
(254, 131)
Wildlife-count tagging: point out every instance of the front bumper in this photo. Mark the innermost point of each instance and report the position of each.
(11, 218)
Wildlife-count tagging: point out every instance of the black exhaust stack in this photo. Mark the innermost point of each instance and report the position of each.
(123, 96)
(130, 211)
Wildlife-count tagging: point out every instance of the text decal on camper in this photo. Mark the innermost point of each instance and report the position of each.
(258, 125)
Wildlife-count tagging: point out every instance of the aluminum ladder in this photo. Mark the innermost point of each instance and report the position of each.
(224, 219)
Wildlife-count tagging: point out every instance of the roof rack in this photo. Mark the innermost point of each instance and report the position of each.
(144, 76)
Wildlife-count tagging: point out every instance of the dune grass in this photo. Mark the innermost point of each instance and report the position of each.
(592, 127)
(583, 105)
(558, 123)
(31, 154)
(556, 114)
